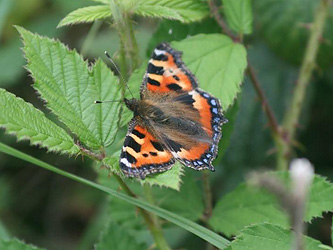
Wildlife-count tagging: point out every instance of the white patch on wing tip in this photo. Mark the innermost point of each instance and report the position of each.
(159, 52)
(193, 92)
(126, 162)
(174, 154)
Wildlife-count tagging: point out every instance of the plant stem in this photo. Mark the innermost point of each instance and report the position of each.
(157, 229)
(129, 51)
(292, 116)
(214, 9)
(207, 196)
(264, 103)
(90, 37)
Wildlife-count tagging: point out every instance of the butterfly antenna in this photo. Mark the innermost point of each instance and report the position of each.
(98, 102)
(121, 76)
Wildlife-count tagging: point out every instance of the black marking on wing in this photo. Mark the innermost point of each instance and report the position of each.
(160, 57)
(174, 86)
(153, 153)
(128, 156)
(130, 142)
(138, 134)
(186, 99)
(157, 145)
(176, 77)
(174, 146)
(152, 69)
(153, 82)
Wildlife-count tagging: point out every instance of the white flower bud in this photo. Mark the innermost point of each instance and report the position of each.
(301, 172)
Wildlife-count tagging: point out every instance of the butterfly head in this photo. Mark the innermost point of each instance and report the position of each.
(132, 104)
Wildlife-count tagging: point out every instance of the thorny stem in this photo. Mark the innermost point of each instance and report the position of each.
(214, 9)
(129, 53)
(265, 106)
(292, 116)
(92, 155)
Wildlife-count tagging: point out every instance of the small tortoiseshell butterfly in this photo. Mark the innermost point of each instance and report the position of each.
(173, 120)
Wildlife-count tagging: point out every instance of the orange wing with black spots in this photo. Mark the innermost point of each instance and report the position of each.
(143, 154)
(167, 73)
(201, 154)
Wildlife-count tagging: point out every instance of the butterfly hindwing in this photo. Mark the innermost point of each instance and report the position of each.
(210, 118)
(142, 153)
(167, 73)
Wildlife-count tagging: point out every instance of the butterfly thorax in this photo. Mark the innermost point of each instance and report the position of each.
(146, 110)
(159, 118)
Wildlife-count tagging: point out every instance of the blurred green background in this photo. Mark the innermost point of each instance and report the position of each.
(53, 212)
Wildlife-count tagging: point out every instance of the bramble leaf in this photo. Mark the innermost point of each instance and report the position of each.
(170, 178)
(26, 122)
(239, 15)
(110, 239)
(182, 10)
(269, 236)
(15, 244)
(86, 15)
(238, 208)
(70, 88)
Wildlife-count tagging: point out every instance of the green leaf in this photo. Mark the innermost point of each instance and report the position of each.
(245, 206)
(15, 244)
(239, 15)
(70, 88)
(268, 236)
(238, 208)
(217, 62)
(28, 123)
(188, 225)
(169, 179)
(86, 15)
(112, 162)
(182, 10)
(110, 239)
